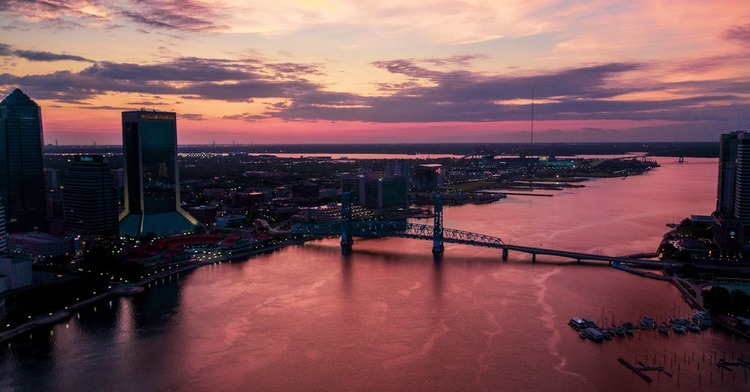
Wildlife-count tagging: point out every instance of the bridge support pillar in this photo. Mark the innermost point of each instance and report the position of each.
(346, 246)
(505, 254)
(533, 257)
(346, 216)
(437, 229)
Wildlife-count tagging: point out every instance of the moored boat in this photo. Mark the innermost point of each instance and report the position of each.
(594, 334)
(647, 322)
(577, 324)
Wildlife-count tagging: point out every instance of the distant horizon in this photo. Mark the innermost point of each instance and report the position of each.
(397, 144)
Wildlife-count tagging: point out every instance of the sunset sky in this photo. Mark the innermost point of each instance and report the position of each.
(362, 71)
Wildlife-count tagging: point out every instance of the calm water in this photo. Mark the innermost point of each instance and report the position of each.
(389, 318)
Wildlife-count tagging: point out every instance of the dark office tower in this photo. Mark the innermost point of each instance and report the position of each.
(90, 200)
(21, 163)
(152, 181)
(727, 172)
(3, 233)
(742, 179)
(732, 216)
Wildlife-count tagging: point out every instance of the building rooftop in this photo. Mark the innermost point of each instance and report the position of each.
(18, 98)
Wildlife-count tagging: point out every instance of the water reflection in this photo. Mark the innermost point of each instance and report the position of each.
(156, 308)
(390, 317)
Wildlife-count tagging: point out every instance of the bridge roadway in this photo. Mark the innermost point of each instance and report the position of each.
(425, 232)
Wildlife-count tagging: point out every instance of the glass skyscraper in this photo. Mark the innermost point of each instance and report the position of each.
(90, 199)
(152, 185)
(22, 164)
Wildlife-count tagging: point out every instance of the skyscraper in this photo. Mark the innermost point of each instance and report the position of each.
(3, 233)
(21, 163)
(90, 199)
(727, 173)
(152, 184)
(732, 215)
(742, 179)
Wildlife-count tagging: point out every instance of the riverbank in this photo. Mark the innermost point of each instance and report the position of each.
(118, 291)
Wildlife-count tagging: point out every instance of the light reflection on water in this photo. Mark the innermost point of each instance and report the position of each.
(388, 317)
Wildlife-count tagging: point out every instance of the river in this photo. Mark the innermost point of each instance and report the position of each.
(387, 317)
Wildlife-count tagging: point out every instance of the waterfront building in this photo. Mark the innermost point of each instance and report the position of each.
(90, 200)
(152, 180)
(742, 179)
(725, 193)
(732, 216)
(40, 245)
(21, 163)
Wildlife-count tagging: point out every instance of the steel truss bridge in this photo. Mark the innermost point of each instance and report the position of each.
(348, 229)
(399, 229)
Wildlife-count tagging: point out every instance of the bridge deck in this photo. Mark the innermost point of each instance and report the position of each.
(425, 232)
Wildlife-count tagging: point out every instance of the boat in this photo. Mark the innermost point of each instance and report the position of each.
(582, 335)
(694, 328)
(594, 334)
(703, 319)
(647, 322)
(663, 329)
(679, 328)
(589, 323)
(577, 324)
(619, 331)
(683, 322)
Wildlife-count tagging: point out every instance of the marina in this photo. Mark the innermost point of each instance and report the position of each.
(588, 329)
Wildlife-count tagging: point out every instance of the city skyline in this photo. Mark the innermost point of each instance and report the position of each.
(345, 72)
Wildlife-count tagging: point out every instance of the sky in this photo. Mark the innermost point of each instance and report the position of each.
(363, 71)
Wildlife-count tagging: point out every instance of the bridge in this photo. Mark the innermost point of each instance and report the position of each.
(439, 235)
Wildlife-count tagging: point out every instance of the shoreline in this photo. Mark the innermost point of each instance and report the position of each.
(137, 287)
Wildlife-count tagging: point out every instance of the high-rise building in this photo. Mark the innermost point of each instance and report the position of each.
(742, 179)
(22, 163)
(727, 173)
(90, 199)
(152, 180)
(427, 178)
(3, 232)
(732, 216)
(378, 190)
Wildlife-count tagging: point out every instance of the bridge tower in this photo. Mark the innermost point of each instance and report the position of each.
(346, 216)
(437, 230)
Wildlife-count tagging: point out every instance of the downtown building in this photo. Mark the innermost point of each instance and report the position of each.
(22, 163)
(90, 201)
(379, 190)
(732, 216)
(152, 180)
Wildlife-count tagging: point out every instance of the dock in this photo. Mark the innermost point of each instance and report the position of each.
(635, 370)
